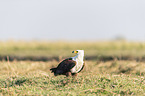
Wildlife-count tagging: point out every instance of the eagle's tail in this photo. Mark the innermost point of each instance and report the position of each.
(53, 70)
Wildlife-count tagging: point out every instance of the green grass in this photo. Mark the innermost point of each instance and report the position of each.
(98, 78)
(116, 77)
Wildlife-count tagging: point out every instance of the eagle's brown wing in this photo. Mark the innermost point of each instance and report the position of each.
(65, 66)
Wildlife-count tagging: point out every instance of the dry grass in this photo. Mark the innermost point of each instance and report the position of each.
(98, 78)
(115, 77)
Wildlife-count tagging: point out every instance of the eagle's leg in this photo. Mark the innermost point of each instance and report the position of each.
(74, 74)
(68, 74)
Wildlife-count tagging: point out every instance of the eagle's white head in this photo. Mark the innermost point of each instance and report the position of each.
(80, 54)
(78, 51)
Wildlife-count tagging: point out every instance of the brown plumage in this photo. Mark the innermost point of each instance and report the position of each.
(70, 66)
(64, 68)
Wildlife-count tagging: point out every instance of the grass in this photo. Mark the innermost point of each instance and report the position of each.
(35, 48)
(98, 78)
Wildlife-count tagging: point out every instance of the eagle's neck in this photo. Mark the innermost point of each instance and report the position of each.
(79, 57)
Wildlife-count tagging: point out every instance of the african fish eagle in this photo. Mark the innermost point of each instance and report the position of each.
(70, 66)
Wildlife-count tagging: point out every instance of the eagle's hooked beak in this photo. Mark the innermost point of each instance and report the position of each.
(74, 51)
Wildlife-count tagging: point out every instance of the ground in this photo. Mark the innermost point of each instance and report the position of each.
(111, 68)
(98, 78)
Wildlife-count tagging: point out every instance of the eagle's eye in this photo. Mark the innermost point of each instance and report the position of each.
(74, 51)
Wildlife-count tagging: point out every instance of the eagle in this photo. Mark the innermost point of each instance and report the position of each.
(70, 66)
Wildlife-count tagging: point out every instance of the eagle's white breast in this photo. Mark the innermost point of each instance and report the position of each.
(79, 63)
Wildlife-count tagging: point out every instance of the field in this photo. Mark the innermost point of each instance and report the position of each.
(115, 76)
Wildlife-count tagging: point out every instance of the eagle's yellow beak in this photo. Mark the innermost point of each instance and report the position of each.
(74, 51)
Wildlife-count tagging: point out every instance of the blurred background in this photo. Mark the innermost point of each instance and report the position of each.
(100, 27)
